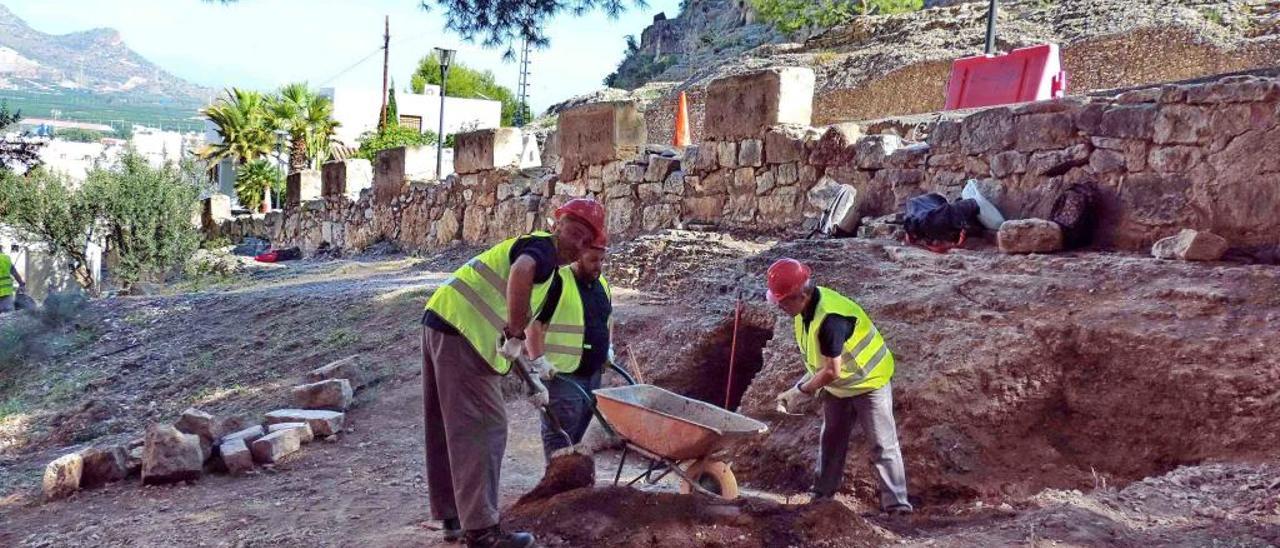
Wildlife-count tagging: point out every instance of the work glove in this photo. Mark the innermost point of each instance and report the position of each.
(511, 348)
(611, 356)
(542, 368)
(538, 394)
(790, 401)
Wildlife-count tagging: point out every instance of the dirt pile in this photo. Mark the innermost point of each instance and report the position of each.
(564, 473)
(623, 517)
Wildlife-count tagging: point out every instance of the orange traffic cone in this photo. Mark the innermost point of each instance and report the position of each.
(681, 138)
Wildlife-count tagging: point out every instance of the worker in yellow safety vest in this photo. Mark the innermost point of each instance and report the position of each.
(10, 281)
(473, 331)
(571, 338)
(849, 367)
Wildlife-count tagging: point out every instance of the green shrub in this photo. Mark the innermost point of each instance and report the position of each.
(792, 16)
(393, 136)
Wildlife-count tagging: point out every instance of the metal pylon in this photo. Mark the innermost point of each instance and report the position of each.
(522, 87)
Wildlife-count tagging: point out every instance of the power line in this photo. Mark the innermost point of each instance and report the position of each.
(376, 51)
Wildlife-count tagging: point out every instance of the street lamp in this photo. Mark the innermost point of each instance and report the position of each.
(446, 58)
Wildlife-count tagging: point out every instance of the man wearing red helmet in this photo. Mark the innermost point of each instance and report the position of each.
(473, 330)
(849, 368)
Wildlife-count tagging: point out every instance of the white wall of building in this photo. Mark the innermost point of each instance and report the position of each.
(357, 110)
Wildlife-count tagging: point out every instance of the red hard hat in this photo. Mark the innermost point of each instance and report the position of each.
(786, 277)
(588, 211)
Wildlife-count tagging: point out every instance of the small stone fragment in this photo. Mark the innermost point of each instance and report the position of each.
(1191, 245)
(62, 476)
(1029, 236)
(323, 423)
(274, 446)
(333, 394)
(305, 428)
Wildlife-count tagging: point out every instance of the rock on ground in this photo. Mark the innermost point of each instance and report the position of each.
(333, 394)
(1029, 236)
(236, 456)
(103, 465)
(171, 456)
(274, 446)
(323, 423)
(248, 435)
(202, 424)
(62, 476)
(349, 368)
(304, 429)
(1191, 245)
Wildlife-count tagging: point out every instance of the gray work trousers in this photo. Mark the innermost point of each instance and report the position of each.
(466, 430)
(7, 303)
(573, 407)
(874, 411)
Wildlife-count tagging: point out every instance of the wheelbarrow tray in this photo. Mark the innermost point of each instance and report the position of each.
(672, 426)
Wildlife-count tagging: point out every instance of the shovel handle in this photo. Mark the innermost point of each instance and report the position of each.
(522, 370)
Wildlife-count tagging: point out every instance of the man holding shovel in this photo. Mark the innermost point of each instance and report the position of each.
(10, 282)
(849, 367)
(473, 331)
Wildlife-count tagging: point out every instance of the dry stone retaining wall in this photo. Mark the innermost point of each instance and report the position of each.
(1203, 156)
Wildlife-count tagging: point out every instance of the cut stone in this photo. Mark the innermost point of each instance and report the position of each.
(103, 465)
(305, 429)
(62, 476)
(333, 394)
(488, 149)
(323, 423)
(1029, 236)
(170, 456)
(598, 133)
(274, 446)
(236, 456)
(349, 368)
(204, 425)
(744, 106)
(1191, 245)
(659, 168)
(303, 186)
(751, 153)
(248, 435)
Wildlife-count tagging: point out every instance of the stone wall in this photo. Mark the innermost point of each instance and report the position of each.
(1203, 156)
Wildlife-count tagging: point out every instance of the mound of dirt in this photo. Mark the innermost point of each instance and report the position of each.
(564, 473)
(622, 517)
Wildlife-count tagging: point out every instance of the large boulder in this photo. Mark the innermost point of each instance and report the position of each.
(1191, 245)
(103, 465)
(323, 423)
(62, 476)
(304, 430)
(350, 367)
(276, 445)
(199, 423)
(236, 457)
(170, 456)
(1029, 236)
(333, 394)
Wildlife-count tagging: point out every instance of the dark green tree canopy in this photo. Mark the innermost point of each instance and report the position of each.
(464, 82)
(506, 23)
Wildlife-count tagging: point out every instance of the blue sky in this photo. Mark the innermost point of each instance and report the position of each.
(265, 43)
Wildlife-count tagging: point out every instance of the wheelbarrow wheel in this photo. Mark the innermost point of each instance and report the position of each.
(712, 475)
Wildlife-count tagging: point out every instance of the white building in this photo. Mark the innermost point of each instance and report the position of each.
(357, 110)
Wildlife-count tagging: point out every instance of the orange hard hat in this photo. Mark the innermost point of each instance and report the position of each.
(587, 211)
(786, 277)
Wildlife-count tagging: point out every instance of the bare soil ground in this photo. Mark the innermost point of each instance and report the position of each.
(1083, 399)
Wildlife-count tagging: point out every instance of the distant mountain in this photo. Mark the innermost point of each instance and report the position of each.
(96, 61)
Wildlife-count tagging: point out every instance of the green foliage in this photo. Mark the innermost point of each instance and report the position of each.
(16, 153)
(30, 336)
(45, 207)
(80, 135)
(393, 111)
(147, 215)
(307, 118)
(254, 178)
(464, 82)
(395, 136)
(793, 16)
(635, 71)
(243, 126)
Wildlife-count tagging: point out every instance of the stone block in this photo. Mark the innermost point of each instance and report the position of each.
(746, 105)
(784, 145)
(744, 181)
(1045, 131)
(332, 394)
(350, 368)
(305, 433)
(727, 154)
(1104, 161)
(1051, 163)
(1191, 245)
(301, 186)
(765, 182)
(248, 434)
(778, 208)
(649, 193)
(622, 212)
(1007, 163)
(787, 174)
(910, 156)
(1128, 122)
(236, 456)
(659, 168)
(634, 173)
(346, 178)
(169, 456)
(1029, 236)
(659, 216)
(674, 183)
(323, 423)
(1174, 159)
(276, 445)
(62, 476)
(611, 173)
(836, 146)
(487, 149)
(702, 158)
(389, 175)
(103, 465)
(986, 131)
(751, 153)
(420, 163)
(598, 133)
(704, 209)
(873, 150)
(1180, 124)
(204, 425)
(215, 209)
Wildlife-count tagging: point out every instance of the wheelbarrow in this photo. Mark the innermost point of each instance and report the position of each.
(676, 434)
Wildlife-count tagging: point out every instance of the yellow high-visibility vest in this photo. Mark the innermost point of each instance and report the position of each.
(866, 363)
(566, 331)
(474, 300)
(6, 276)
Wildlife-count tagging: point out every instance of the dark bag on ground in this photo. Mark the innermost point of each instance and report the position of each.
(289, 254)
(931, 220)
(1076, 211)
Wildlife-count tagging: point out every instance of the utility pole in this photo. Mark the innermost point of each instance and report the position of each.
(522, 88)
(386, 58)
(991, 28)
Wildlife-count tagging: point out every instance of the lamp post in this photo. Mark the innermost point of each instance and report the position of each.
(446, 58)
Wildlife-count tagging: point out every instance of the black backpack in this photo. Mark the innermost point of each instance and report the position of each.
(931, 221)
(1076, 211)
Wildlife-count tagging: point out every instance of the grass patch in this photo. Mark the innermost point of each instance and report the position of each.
(341, 337)
(1213, 16)
(825, 58)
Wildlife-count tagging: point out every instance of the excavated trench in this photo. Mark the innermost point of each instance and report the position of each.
(725, 371)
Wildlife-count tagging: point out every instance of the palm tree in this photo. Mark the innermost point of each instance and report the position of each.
(256, 180)
(244, 129)
(307, 118)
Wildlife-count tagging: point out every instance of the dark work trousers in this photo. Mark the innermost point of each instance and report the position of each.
(466, 430)
(874, 411)
(572, 407)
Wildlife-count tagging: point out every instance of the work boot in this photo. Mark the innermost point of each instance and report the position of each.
(899, 510)
(495, 537)
(452, 530)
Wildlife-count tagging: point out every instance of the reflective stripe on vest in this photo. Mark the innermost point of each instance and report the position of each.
(565, 333)
(866, 363)
(6, 276)
(474, 300)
